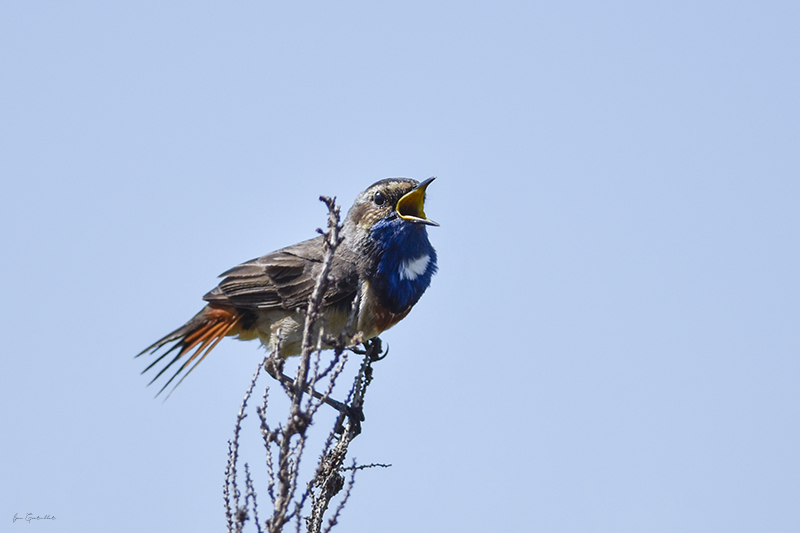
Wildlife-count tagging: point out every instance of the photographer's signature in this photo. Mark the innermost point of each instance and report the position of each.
(30, 516)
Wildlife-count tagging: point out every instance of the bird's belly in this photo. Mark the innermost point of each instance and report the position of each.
(279, 328)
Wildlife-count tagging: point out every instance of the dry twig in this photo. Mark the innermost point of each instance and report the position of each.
(286, 443)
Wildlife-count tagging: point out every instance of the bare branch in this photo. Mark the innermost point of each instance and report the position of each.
(232, 512)
(364, 467)
(335, 518)
(286, 443)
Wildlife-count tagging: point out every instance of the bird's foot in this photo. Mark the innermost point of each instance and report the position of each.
(372, 348)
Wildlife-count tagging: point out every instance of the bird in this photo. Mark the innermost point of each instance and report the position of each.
(384, 264)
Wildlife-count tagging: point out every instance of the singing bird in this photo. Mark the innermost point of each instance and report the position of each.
(385, 260)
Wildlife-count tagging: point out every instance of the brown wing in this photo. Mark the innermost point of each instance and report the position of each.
(284, 279)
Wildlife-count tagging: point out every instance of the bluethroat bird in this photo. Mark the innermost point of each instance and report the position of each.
(385, 260)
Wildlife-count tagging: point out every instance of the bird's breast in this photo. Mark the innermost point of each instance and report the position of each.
(404, 263)
(373, 317)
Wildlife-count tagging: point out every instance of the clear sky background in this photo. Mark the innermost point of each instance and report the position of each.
(611, 343)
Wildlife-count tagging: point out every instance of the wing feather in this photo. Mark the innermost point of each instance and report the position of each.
(284, 279)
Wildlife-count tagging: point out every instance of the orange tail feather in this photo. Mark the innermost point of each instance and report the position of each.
(201, 334)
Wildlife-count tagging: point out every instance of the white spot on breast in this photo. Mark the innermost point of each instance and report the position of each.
(414, 268)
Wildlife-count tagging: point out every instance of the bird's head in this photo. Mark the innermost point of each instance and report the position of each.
(386, 231)
(398, 200)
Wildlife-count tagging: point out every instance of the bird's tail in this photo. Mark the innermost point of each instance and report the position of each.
(200, 334)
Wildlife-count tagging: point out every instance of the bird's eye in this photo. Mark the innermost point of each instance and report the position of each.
(379, 198)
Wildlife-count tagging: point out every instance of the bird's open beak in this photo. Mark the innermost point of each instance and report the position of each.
(410, 206)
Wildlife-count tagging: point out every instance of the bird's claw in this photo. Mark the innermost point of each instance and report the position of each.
(372, 348)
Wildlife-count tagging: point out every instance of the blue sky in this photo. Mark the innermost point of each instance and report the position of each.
(611, 342)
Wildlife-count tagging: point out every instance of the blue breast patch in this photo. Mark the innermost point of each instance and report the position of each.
(408, 261)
